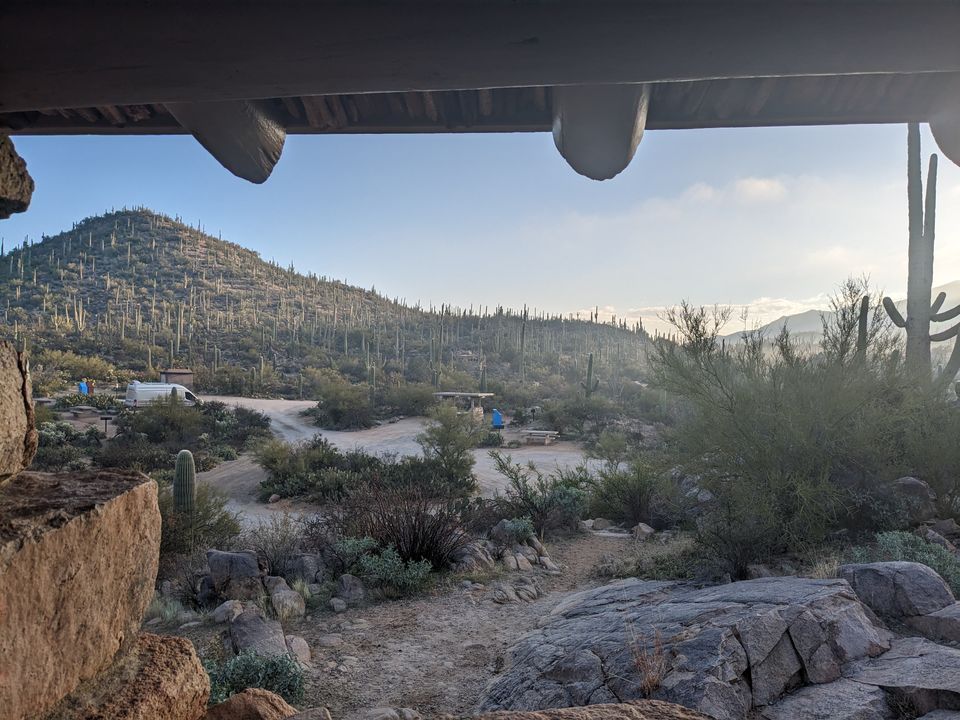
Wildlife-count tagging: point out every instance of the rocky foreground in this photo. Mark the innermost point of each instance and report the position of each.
(773, 648)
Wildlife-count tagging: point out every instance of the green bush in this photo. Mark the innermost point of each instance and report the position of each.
(408, 399)
(519, 529)
(210, 526)
(276, 539)
(786, 442)
(63, 447)
(280, 674)
(448, 441)
(640, 491)
(133, 453)
(903, 546)
(553, 502)
(393, 576)
(342, 405)
(416, 524)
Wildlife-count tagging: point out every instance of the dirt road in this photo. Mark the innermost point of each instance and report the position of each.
(241, 478)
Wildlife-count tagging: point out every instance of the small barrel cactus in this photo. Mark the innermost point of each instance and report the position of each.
(185, 484)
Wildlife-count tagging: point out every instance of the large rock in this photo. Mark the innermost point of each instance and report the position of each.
(940, 626)
(898, 590)
(472, 557)
(161, 678)
(78, 562)
(251, 630)
(640, 710)
(235, 575)
(16, 185)
(18, 437)
(915, 495)
(922, 672)
(308, 567)
(287, 603)
(350, 589)
(840, 700)
(252, 704)
(720, 650)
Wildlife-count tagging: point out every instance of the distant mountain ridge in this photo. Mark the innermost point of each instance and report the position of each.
(807, 326)
(144, 290)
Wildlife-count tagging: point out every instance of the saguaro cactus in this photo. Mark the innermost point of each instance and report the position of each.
(920, 311)
(185, 484)
(590, 385)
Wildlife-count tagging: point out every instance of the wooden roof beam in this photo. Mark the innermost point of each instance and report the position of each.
(58, 53)
(243, 136)
(597, 128)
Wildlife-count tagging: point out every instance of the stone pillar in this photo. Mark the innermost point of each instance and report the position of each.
(16, 185)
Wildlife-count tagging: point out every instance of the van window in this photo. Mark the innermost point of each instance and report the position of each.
(190, 396)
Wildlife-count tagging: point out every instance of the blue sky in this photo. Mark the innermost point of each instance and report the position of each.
(771, 218)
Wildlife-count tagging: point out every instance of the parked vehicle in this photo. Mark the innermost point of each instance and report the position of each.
(140, 393)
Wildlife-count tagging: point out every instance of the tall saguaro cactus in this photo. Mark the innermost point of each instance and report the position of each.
(590, 385)
(185, 484)
(920, 310)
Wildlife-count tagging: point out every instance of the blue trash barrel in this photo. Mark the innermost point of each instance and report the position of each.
(497, 420)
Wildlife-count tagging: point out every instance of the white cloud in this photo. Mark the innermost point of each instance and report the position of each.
(757, 190)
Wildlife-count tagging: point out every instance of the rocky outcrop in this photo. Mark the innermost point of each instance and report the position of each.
(16, 185)
(840, 700)
(941, 626)
(235, 575)
(916, 670)
(18, 437)
(287, 603)
(898, 590)
(161, 678)
(721, 650)
(252, 704)
(78, 561)
(251, 630)
(641, 710)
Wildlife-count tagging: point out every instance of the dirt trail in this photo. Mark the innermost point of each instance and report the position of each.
(240, 479)
(434, 653)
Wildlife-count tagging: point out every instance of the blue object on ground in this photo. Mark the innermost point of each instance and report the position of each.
(497, 420)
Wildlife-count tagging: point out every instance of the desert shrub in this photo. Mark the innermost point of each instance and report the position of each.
(44, 414)
(677, 559)
(280, 674)
(167, 609)
(64, 447)
(519, 530)
(640, 491)
(447, 441)
(101, 402)
(408, 399)
(416, 524)
(393, 576)
(903, 546)
(134, 453)
(349, 550)
(553, 502)
(210, 526)
(931, 451)
(783, 440)
(58, 457)
(490, 439)
(342, 405)
(277, 540)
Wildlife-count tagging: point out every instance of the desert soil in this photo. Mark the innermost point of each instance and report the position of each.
(240, 479)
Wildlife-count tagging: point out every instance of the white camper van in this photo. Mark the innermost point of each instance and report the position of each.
(140, 394)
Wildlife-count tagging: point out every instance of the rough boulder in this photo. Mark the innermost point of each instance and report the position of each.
(78, 561)
(161, 678)
(721, 650)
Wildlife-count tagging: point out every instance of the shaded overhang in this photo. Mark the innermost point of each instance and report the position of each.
(239, 76)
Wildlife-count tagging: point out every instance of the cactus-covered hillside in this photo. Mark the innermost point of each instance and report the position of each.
(143, 291)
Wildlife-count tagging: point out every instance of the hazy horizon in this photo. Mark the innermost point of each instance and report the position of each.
(771, 219)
